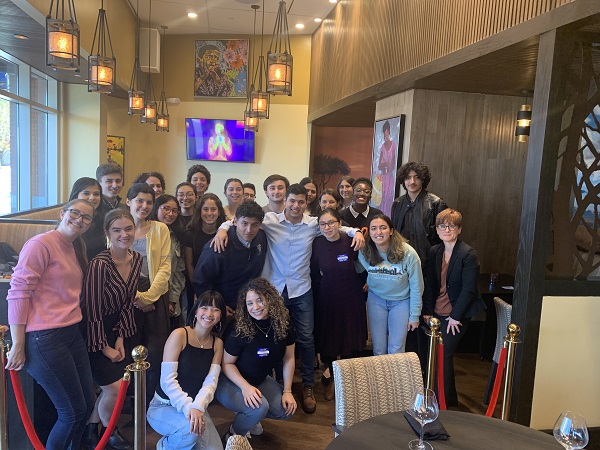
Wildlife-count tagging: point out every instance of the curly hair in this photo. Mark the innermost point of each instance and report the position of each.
(422, 171)
(278, 313)
(143, 177)
(195, 169)
(395, 253)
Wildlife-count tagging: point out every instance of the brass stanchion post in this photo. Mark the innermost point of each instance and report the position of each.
(139, 367)
(3, 418)
(435, 336)
(510, 343)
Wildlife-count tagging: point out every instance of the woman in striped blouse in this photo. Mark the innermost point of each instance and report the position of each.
(109, 290)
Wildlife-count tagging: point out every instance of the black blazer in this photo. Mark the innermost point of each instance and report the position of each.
(461, 281)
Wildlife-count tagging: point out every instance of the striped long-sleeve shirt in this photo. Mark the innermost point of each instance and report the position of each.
(105, 292)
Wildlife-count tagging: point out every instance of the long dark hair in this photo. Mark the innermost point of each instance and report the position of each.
(312, 208)
(195, 224)
(209, 298)
(80, 184)
(395, 253)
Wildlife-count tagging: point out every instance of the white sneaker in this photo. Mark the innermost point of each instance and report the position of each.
(256, 430)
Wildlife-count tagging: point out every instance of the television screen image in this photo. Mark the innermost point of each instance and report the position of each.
(218, 140)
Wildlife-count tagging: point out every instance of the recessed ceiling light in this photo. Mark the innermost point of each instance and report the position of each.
(318, 19)
(20, 36)
(192, 15)
(300, 26)
(332, 1)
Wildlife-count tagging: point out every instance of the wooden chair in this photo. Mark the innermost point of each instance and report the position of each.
(375, 385)
(238, 442)
(503, 314)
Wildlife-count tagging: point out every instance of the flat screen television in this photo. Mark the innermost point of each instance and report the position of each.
(218, 140)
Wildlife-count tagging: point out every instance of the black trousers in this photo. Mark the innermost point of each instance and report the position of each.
(450, 345)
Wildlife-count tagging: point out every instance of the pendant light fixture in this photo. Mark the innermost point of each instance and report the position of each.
(523, 120)
(149, 115)
(251, 123)
(162, 117)
(280, 61)
(62, 36)
(136, 95)
(259, 98)
(101, 67)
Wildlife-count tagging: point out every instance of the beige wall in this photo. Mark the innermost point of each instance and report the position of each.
(567, 375)
(281, 143)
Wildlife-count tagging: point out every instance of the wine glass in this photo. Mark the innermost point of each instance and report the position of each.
(570, 430)
(424, 409)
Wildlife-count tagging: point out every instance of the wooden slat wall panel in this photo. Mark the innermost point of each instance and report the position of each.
(364, 42)
(468, 142)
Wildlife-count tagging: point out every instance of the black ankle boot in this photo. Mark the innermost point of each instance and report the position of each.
(90, 436)
(118, 442)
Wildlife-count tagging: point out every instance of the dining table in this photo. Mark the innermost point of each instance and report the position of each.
(467, 431)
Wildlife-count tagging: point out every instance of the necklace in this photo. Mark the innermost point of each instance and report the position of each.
(266, 333)
(201, 344)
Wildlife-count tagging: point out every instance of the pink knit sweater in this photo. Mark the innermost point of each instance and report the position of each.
(46, 284)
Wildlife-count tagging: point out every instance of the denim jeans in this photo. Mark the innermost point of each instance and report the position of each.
(175, 428)
(388, 321)
(231, 397)
(302, 312)
(58, 360)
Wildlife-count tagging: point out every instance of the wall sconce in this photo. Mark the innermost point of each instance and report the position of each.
(101, 67)
(62, 36)
(279, 58)
(523, 123)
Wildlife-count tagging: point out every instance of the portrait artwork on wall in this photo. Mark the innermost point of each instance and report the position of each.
(387, 158)
(221, 68)
(115, 150)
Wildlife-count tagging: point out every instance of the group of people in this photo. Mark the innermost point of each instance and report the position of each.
(251, 284)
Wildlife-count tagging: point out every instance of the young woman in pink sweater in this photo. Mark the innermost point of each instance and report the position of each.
(44, 313)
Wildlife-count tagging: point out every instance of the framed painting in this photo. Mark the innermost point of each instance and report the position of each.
(387, 158)
(115, 150)
(221, 68)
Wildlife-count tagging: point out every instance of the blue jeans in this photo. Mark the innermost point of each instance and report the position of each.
(175, 428)
(302, 312)
(388, 321)
(231, 397)
(58, 360)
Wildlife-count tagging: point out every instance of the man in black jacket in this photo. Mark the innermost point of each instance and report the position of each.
(242, 260)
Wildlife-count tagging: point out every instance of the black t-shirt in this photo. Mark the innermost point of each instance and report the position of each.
(257, 357)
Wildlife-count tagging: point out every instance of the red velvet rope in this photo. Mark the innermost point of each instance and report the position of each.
(440, 380)
(497, 383)
(31, 434)
(115, 415)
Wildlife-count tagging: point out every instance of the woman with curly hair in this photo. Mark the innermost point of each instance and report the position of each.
(395, 284)
(260, 337)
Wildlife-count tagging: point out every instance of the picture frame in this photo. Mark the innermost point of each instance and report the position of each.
(221, 68)
(115, 150)
(387, 159)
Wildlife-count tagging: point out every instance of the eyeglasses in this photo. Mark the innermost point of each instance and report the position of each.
(167, 210)
(187, 195)
(362, 191)
(444, 226)
(330, 224)
(249, 196)
(76, 214)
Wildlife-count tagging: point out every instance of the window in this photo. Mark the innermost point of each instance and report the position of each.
(28, 137)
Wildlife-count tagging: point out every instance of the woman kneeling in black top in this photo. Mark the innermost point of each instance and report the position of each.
(260, 337)
(188, 379)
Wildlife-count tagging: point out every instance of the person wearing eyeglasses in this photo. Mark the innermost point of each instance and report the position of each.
(186, 197)
(44, 315)
(359, 213)
(249, 192)
(451, 290)
(340, 314)
(166, 210)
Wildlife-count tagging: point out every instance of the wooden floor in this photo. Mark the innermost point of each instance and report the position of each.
(313, 431)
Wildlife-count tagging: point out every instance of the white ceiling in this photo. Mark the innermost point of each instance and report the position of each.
(230, 16)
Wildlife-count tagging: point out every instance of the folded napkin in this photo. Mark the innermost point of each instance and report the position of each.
(433, 431)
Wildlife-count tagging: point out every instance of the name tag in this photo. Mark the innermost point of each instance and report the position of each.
(262, 352)
(342, 258)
